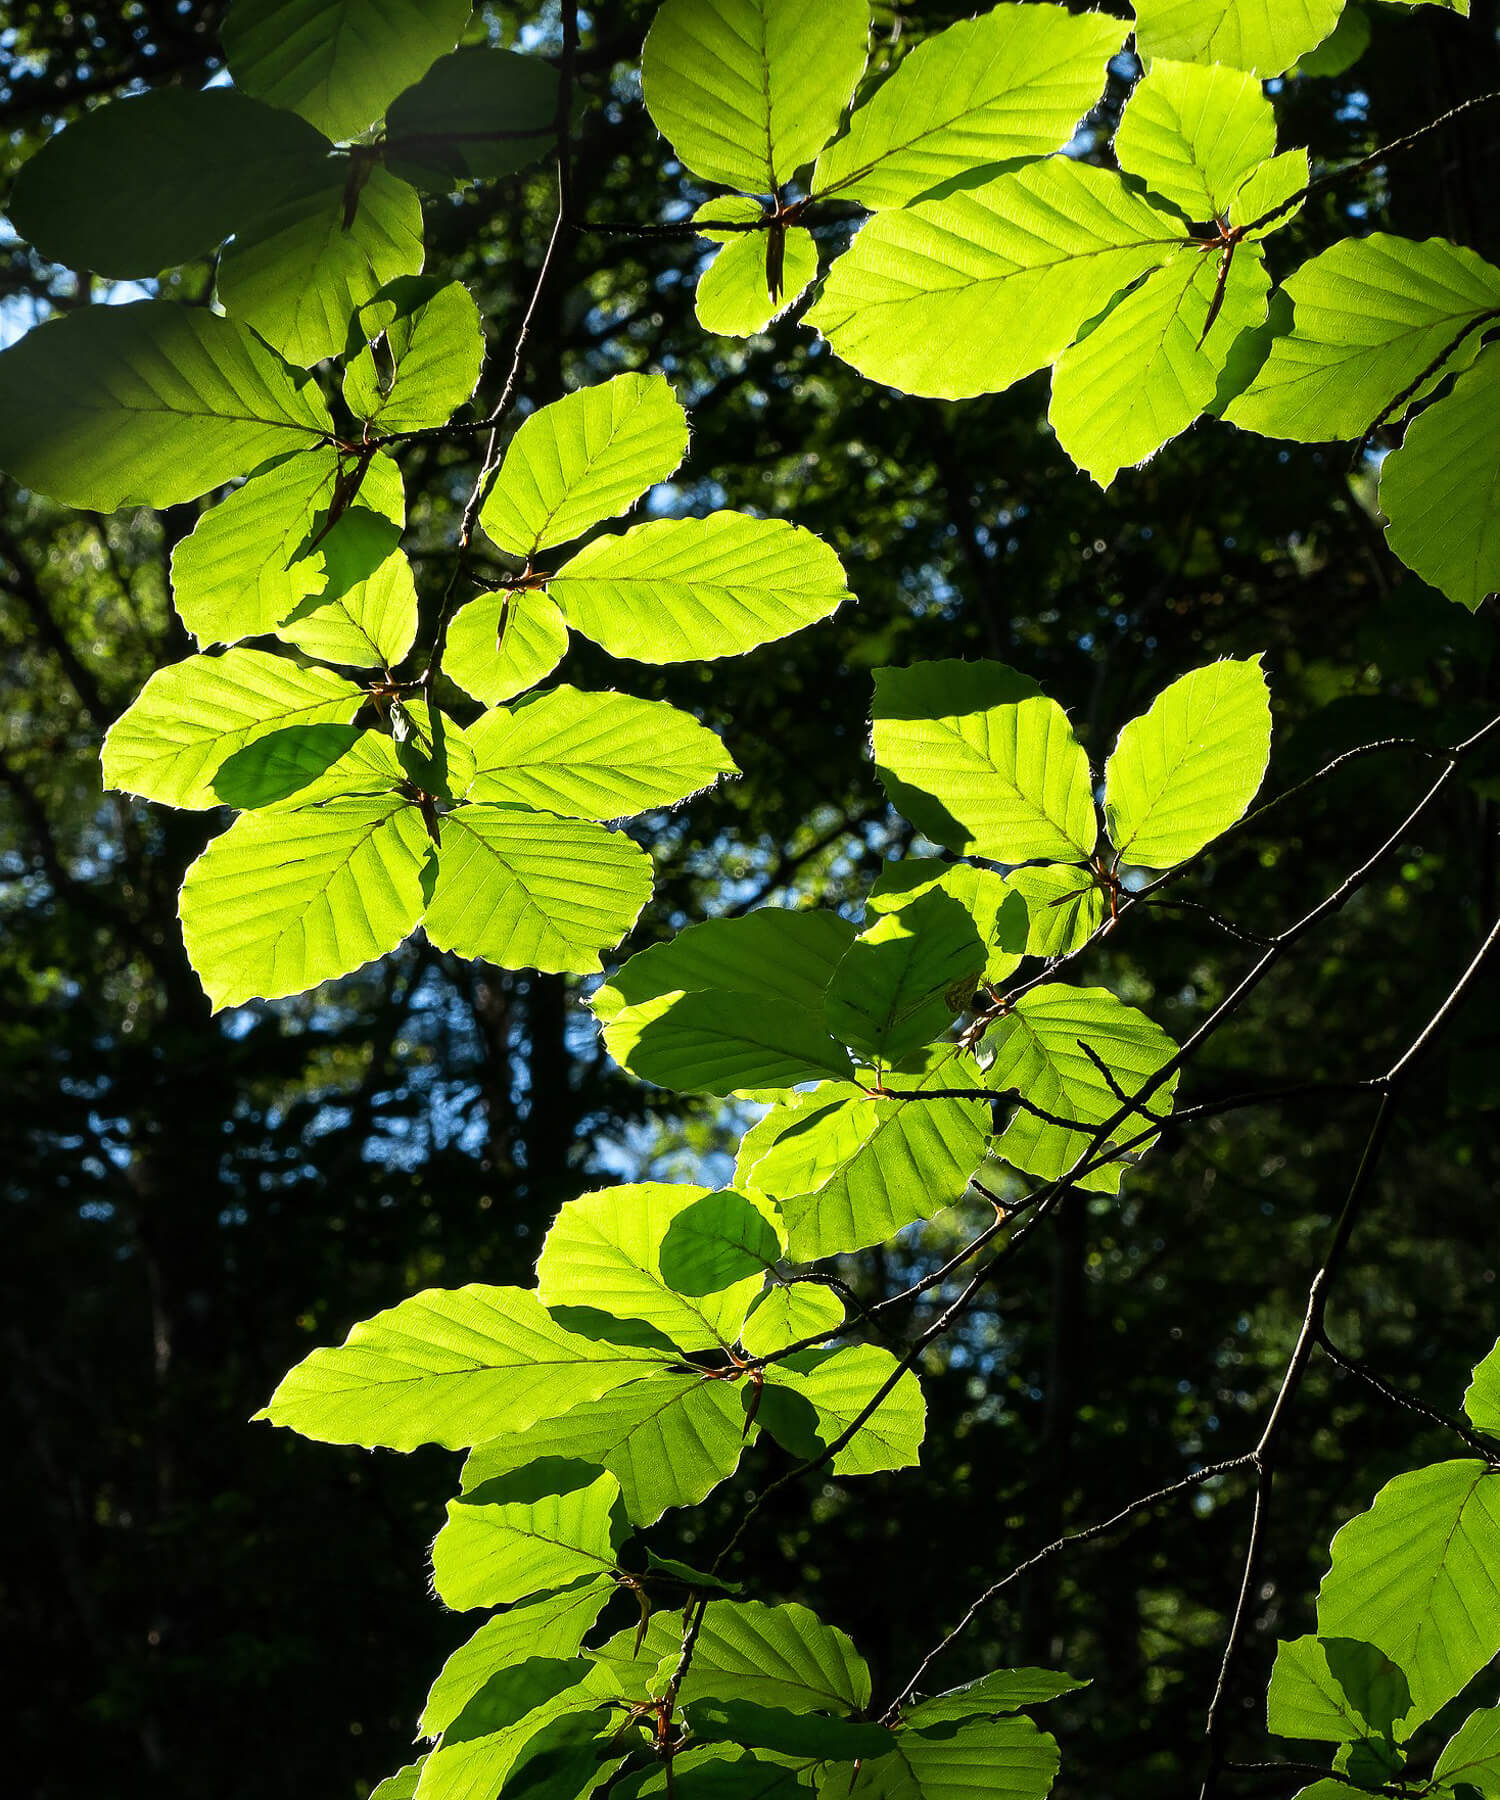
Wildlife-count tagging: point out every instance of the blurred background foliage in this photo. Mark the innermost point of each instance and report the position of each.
(198, 1604)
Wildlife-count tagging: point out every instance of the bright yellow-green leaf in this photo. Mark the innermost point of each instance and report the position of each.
(788, 1312)
(714, 1041)
(999, 915)
(490, 1552)
(1065, 906)
(365, 613)
(835, 1386)
(1193, 134)
(734, 294)
(1266, 36)
(422, 355)
(906, 977)
(501, 644)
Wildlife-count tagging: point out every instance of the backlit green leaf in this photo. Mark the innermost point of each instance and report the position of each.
(497, 1731)
(1011, 83)
(149, 403)
(677, 590)
(966, 294)
(775, 1656)
(442, 133)
(422, 355)
(1335, 1689)
(734, 292)
(1193, 134)
(1266, 38)
(593, 756)
(837, 1385)
(1482, 1399)
(583, 459)
(495, 1550)
(192, 716)
(303, 765)
(1188, 767)
(1472, 1754)
(1007, 1757)
(1001, 1691)
(284, 900)
(903, 980)
(527, 890)
(713, 1041)
(747, 91)
(790, 1733)
(501, 644)
(999, 915)
(1065, 906)
(365, 613)
(789, 1312)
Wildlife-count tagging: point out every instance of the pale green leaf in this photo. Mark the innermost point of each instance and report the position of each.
(441, 133)
(773, 952)
(526, 890)
(433, 750)
(1418, 1576)
(1193, 134)
(1336, 1690)
(747, 91)
(775, 1656)
(676, 590)
(904, 978)
(1065, 905)
(501, 644)
(552, 1627)
(142, 184)
(789, 1733)
(1482, 1398)
(502, 1549)
(1273, 183)
(585, 458)
(836, 1385)
(303, 765)
(1348, 42)
(423, 349)
(632, 1251)
(402, 1785)
(1440, 491)
(1001, 1691)
(593, 756)
(1368, 317)
(1012, 83)
(241, 569)
(303, 271)
(285, 900)
(1146, 370)
(454, 1366)
(669, 1440)
(1001, 1759)
(714, 1041)
(1266, 36)
(789, 1312)
(1009, 783)
(339, 63)
(734, 292)
(500, 1723)
(999, 915)
(192, 716)
(1037, 1049)
(1472, 1754)
(966, 294)
(1185, 770)
(150, 404)
(365, 613)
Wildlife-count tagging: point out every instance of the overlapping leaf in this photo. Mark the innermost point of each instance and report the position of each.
(441, 132)
(421, 358)
(998, 913)
(536, 1529)
(815, 1396)
(1265, 36)
(501, 644)
(1002, 1756)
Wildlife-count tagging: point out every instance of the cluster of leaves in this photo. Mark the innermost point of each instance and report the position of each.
(1144, 287)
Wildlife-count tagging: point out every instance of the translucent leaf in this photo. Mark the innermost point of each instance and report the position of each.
(903, 980)
(677, 590)
(501, 644)
(593, 756)
(1343, 48)
(1007, 1757)
(1011, 83)
(1038, 1050)
(673, 1256)
(1009, 783)
(441, 133)
(966, 294)
(423, 349)
(505, 1548)
(1193, 134)
(789, 1733)
(339, 63)
(775, 1656)
(240, 571)
(365, 613)
(1472, 1754)
(402, 1785)
(747, 91)
(192, 716)
(1146, 371)
(284, 900)
(812, 1398)
(1336, 1690)
(734, 292)
(1001, 1691)
(1188, 767)
(1065, 906)
(306, 267)
(718, 1772)
(486, 1742)
(143, 184)
(998, 914)
(551, 1627)
(1482, 1399)
(1274, 182)
(669, 1440)
(712, 1041)
(526, 890)
(434, 752)
(772, 952)
(1440, 491)
(1417, 1576)
(583, 459)
(789, 1312)
(1266, 36)
(146, 404)
(303, 765)
(1368, 316)
(451, 1366)
(851, 1169)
